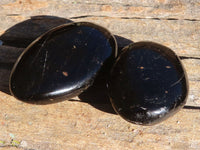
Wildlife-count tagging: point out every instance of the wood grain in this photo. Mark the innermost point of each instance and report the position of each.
(89, 122)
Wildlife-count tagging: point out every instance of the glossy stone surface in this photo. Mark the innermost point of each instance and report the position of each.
(63, 62)
(1, 42)
(148, 83)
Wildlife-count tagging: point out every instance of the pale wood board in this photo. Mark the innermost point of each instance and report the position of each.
(75, 125)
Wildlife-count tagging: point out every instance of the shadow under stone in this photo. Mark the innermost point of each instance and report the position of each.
(23, 33)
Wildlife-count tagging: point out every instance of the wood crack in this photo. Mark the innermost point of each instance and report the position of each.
(13, 14)
(191, 107)
(187, 57)
(136, 18)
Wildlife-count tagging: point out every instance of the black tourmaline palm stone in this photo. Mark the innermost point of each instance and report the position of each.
(148, 83)
(63, 62)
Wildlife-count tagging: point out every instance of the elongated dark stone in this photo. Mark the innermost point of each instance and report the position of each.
(63, 62)
(148, 83)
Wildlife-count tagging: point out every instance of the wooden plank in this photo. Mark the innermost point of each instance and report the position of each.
(88, 121)
(76, 125)
(167, 9)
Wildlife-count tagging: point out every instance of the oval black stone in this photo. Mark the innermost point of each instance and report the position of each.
(148, 83)
(63, 62)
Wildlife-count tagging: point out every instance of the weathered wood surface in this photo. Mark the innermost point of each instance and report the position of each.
(91, 124)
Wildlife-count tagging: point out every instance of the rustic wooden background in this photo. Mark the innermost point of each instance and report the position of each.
(91, 122)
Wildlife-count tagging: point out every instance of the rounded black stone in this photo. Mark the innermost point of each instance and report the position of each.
(62, 62)
(148, 83)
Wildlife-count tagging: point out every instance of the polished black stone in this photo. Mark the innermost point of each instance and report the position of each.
(148, 83)
(63, 62)
(1, 42)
